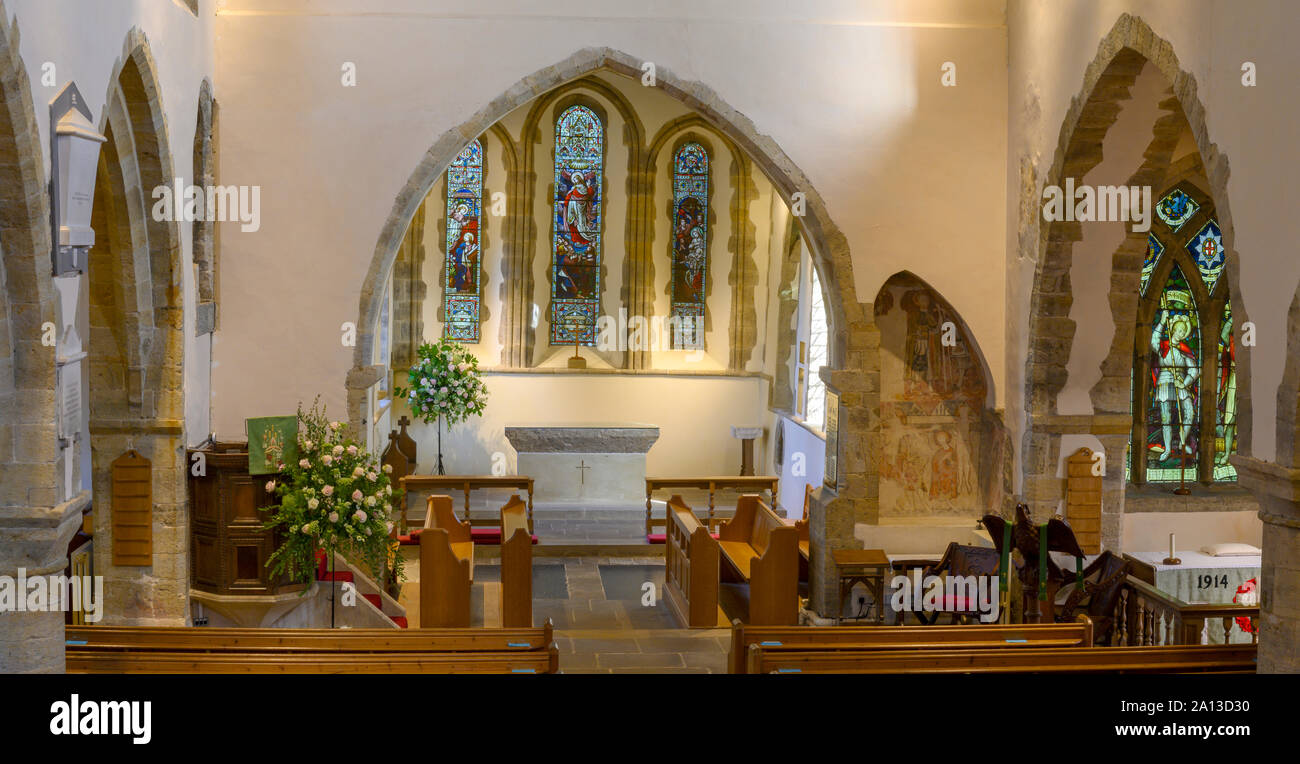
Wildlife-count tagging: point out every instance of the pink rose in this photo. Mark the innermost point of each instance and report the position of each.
(328, 490)
(359, 516)
(327, 459)
(334, 517)
(270, 486)
(357, 494)
(352, 450)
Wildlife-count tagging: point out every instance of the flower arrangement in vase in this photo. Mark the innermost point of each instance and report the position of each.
(335, 498)
(445, 386)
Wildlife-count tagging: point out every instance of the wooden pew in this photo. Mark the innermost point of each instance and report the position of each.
(470, 483)
(516, 565)
(801, 525)
(1233, 659)
(250, 640)
(690, 568)
(862, 638)
(446, 567)
(743, 483)
(764, 552)
(190, 662)
(148, 649)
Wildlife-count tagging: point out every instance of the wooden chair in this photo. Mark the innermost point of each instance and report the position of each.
(446, 567)
(963, 561)
(764, 552)
(516, 565)
(1103, 580)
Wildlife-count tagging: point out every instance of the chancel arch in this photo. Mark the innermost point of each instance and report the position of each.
(136, 344)
(525, 112)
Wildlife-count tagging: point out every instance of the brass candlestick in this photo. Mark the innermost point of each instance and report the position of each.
(577, 361)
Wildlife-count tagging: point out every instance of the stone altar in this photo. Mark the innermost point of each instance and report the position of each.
(591, 464)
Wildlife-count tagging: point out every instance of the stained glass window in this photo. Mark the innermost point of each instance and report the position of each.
(1154, 250)
(576, 240)
(1173, 405)
(1207, 250)
(462, 290)
(690, 242)
(1184, 385)
(1225, 418)
(1176, 208)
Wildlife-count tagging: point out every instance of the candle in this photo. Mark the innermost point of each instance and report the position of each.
(1171, 546)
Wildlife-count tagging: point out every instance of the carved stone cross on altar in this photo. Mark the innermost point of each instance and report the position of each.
(582, 474)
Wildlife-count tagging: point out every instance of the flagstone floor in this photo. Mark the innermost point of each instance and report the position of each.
(604, 622)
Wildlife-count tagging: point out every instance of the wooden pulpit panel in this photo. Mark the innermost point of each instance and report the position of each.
(132, 508)
(1083, 500)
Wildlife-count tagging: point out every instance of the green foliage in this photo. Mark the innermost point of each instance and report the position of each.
(336, 498)
(445, 382)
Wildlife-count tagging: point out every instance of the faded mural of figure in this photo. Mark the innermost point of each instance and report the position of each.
(943, 468)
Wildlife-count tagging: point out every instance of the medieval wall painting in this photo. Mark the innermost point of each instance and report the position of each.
(933, 396)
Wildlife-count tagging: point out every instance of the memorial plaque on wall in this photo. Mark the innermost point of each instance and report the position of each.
(132, 510)
(832, 439)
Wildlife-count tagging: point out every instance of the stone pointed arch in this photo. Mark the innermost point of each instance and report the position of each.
(137, 344)
(1121, 55)
(36, 519)
(826, 241)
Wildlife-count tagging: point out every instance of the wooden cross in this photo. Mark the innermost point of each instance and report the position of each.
(403, 421)
(582, 465)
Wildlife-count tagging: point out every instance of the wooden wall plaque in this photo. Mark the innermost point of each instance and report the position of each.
(132, 508)
(1083, 500)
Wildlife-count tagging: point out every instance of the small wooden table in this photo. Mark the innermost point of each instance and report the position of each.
(867, 566)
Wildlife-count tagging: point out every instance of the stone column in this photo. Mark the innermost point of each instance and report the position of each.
(1278, 490)
(35, 540)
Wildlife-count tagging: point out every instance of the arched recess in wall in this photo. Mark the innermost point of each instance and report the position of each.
(28, 448)
(1123, 52)
(828, 244)
(136, 345)
(944, 450)
(203, 230)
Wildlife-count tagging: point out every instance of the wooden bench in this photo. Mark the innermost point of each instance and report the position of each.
(763, 551)
(468, 484)
(690, 568)
(148, 649)
(516, 565)
(190, 662)
(801, 525)
(786, 639)
(1232, 659)
(446, 567)
(741, 483)
(249, 640)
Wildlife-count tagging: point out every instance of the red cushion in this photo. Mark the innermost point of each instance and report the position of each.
(338, 575)
(375, 600)
(400, 620)
(411, 538)
(488, 536)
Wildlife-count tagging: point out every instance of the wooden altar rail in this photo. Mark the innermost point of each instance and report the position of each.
(1144, 615)
(469, 483)
(740, 484)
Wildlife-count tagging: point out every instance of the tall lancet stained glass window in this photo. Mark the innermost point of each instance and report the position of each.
(1184, 389)
(690, 243)
(462, 287)
(577, 224)
(1173, 406)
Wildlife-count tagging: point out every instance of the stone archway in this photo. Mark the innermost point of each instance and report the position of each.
(36, 519)
(136, 345)
(1121, 55)
(853, 371)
